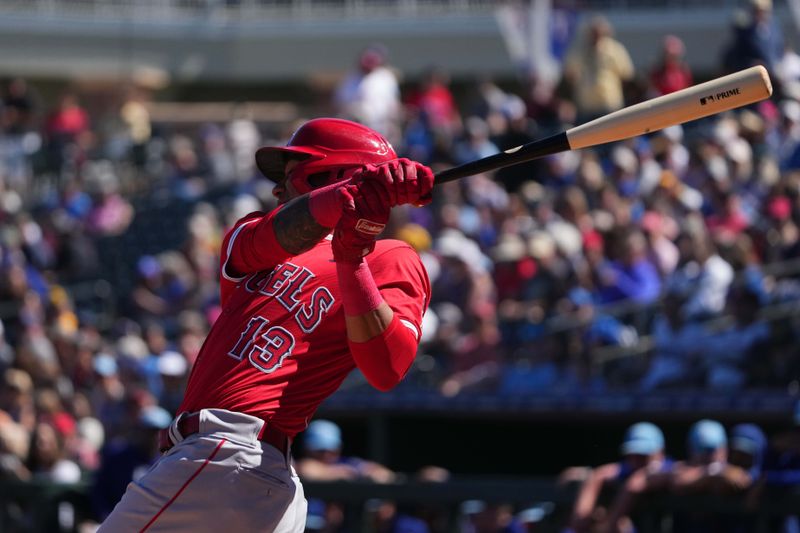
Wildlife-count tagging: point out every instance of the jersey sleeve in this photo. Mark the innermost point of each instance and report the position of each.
(250, 246)
(403, 283)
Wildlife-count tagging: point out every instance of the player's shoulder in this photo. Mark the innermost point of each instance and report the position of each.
(392, 259)
(255, 215)
(248, 218)
(392, 250)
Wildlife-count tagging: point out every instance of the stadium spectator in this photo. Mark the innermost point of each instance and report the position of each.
(138, 128)
(126, 458)
(727, 354)
(433, 102)
(705, 471)
(66, 132)
(323, 459)
(784, 139)
(476, 143)
(672, 73)
(19, 107)
(676, 347)
(747, 450)
(48, 459)
(173, 369)
(385, 517)
(14, 449)
(642, 450)
(703, 274)
(110, 214)
(757, 38)
(597, 69)
(371, 94)
(781, 471)
(244, 137)
(630, 275)
(16, 397)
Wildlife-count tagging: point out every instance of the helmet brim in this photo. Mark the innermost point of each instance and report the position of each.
(271, 160)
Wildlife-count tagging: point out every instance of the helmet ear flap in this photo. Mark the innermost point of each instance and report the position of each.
(319, 179)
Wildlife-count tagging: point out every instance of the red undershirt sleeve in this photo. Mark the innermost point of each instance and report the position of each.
(385, 359)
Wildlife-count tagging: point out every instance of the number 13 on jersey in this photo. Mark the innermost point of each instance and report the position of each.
(265, 347)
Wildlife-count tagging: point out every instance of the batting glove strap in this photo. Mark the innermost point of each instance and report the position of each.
(355, 233)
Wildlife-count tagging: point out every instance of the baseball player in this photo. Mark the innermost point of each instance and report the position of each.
(307, 294)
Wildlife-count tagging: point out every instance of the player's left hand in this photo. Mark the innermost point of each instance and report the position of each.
(361, 222)
(406, 181)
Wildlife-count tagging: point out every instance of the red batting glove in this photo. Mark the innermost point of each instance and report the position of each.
(359, 226)
(406, 181)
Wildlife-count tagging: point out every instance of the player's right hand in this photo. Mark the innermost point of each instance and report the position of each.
(406, 181)
(361, 222)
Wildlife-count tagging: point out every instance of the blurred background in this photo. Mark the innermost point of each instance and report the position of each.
(612, 343)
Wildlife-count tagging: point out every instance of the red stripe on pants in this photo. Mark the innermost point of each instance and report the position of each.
(183, 487)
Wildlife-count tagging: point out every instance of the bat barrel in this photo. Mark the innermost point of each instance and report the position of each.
(721, 94)
(527, 152)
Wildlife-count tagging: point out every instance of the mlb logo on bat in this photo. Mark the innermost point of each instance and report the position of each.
(706, 99)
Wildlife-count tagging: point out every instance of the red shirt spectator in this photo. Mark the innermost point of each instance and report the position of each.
(68, 120)
(435, 100)
(672, 74)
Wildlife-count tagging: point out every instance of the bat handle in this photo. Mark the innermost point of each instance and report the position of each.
(520, 154)
(470, 169)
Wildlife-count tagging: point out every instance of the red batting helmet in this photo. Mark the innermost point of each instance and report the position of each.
(324, 146)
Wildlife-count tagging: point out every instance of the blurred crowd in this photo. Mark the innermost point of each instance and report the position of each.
(668, 261)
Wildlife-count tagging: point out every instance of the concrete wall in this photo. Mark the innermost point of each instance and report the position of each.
(466, 43)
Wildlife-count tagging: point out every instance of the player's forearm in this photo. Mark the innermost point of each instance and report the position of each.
(296, 230)
(361, 328)
(584, 504)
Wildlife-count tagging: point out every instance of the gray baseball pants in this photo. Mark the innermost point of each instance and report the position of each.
(219, 479)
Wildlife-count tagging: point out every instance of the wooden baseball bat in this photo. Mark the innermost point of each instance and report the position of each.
(715, 96)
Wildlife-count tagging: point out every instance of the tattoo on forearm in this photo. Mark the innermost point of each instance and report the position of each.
(295, 228)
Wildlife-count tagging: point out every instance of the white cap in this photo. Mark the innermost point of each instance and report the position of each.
(171, 363)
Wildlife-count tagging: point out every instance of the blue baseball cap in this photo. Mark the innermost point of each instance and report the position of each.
(148, 266)
(322, 435)
(155, 417)
(748, 438)
(471, 507)
(642, 438)
(706, 436)
(105, 365)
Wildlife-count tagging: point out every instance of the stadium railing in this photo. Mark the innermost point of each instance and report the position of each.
(247, 10)
(41, 506)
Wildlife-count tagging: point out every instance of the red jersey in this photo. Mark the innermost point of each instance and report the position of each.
(279, 347)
